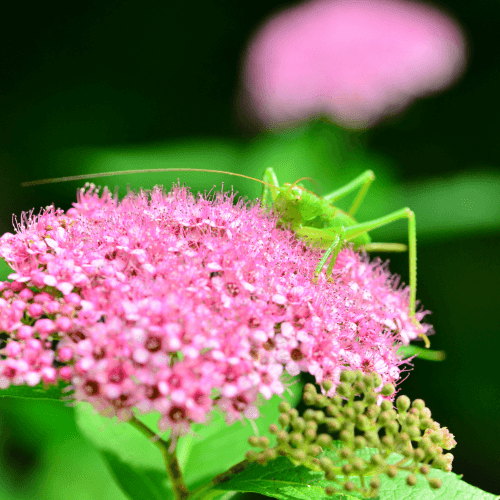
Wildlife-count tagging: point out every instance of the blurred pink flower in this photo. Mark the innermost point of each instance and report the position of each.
(354, 61)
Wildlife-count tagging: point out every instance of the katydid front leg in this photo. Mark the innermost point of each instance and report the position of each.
(268, 193)
(363, 182)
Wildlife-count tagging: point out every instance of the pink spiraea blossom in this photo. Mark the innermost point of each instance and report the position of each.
(179, 304)
(352, 61)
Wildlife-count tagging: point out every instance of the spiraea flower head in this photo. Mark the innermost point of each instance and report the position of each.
(178, 303)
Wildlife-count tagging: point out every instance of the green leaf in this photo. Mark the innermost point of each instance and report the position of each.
(5, 270)
(454, 488)
(38, 392)
(282, 480)
(136, 464)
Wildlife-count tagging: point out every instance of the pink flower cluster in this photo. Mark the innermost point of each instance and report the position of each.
(354, 61)
(178, 304)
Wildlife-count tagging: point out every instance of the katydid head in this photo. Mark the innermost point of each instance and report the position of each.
(297, 204)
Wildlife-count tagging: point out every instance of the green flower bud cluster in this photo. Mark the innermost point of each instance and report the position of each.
(352, 420)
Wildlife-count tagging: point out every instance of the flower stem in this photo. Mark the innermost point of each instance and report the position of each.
(204, 490)
(169, 455)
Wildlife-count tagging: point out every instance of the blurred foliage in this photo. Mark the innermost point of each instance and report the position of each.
(120, 85)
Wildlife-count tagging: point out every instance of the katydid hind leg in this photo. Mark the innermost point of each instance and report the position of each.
(405, 213)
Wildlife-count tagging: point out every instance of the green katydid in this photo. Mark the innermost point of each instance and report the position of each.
(315, 219)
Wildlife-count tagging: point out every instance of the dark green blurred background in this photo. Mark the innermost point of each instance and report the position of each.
(113, 85)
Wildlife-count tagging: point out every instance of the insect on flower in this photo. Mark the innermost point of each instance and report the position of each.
(315, 219)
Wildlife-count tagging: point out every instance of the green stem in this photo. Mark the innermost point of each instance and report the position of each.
(202, 491)
(169, 455)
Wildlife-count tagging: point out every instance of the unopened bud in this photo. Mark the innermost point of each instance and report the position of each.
(424, 469)
(377, 459)
(435, 483)
(372, 438)
(362, 422)
(310, 388)
(403, 437)
(419, 404)
(327, 384)
(299, 424)
(331, 491)
(333, 411)
(296, 439)
(263, 442)
(388, 390)
(324, 440)
(330, 475)
(349, 413)
(392, 427)
(333, 425)
(321, 401)
(284, 407)
(347, 469)
(359, 407)
(388, 441)
(345, 436)
(425, 413)
(346, 453)
(319, 416)
(270, 454)
(370, 399)
(326, 463)
(436, 437)
(337, 400)
(252, 455)
(282, 437)
(345, 390)
(360, 387)
(314, 450)
(359, 442)
(349, 486)
(391, 471)
(253, 441)
(411, 480)
(358, 464)
(426, 423)
(386, 405)
(309, 398)
(403, 403)
(377, 379)
(310, 434)
(308, 414)
(284, 420)
(347, 376)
